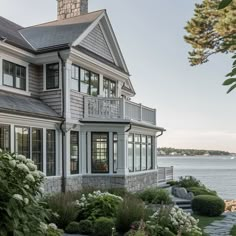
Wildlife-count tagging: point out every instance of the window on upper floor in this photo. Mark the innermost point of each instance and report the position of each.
(84, 81)
(14, 75)
(52, 76)
(109, 88)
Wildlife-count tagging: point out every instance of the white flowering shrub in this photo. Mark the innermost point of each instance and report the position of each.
(21, 212)
(98, 204)
(176, 220)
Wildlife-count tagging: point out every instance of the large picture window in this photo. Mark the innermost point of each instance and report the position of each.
(22, 144)
(74, 152)
(89, 82)
(37, 148)
(5, 137)
(52, 76)
(14, 75)
(144, 153)
(149, 153)
(51, 153)
(109, 88)
(100, 155)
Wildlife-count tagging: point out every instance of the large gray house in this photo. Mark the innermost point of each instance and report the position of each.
(65, 102)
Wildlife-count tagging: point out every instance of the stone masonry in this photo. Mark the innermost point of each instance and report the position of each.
(71, 8)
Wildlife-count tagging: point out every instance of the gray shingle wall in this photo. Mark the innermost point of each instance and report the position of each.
(35, 80)
(76, 105)
(96, 43)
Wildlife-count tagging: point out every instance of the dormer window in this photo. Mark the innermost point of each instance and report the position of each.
(14, 75)
(52, 76)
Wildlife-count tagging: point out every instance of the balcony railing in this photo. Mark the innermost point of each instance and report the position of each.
(165, 174)
(117, 108)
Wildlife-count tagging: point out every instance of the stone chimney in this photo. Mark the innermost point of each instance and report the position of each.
(71, 8)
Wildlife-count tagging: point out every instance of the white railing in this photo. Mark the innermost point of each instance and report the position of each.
(117, 108)
(165, 174)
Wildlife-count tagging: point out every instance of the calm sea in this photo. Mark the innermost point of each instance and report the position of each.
(217, 172)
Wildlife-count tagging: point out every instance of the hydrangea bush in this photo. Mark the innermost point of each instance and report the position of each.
(21, 212)
(98, 204)
(176, 220)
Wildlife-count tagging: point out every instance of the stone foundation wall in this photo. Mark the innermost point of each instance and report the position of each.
(133, 183)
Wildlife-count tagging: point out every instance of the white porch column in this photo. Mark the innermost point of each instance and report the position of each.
(12, 138)
(67, 153)
(89, 155)
(67, 78)
(44, 150)
(154, 152)
(110, 152)
(101, 85)
(122, 165)
(83, 153)
(119, 86)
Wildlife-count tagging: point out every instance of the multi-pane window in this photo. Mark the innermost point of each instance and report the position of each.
(149, 153)
(37, 148)
(14, 75)
(115, 151)
(74, 152)
(109, 88)
(22, 144)
(52, 76)
(89, 82)
(75, 77)
(100, 157)
(5, 137)
(51, 153)
(131, 152)
(137, 140)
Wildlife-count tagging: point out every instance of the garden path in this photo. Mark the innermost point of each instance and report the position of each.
(222, 227)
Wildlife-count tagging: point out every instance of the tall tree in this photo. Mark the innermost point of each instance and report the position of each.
(212, 30)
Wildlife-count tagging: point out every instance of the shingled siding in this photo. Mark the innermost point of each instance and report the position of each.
(95, 42)
(53, 99)
(76, 105)
(35, 80)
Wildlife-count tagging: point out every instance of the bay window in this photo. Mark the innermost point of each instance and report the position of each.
(51, 153)
(37, 148)
(22, 141)
(14, 75)
(52, 76)
(74, 152)
(144, 152)
(5, 137)
(131, 153)
(100, 155)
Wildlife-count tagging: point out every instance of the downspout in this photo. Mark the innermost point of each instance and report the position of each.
(162, 131)
(130, 127)
(63, 180)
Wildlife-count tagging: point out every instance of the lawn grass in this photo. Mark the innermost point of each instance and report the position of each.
(233, 231)
(205, 221)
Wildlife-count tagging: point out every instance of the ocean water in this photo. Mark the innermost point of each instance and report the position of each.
(216, 172)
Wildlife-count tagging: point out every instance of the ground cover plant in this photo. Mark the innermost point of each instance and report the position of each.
(21, 211)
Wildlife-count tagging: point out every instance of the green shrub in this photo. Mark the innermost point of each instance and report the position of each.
(63, 208)
(172, 182)
(208, 205)
(72, 228)
(85, 227)
(103, 226)
(21, 211)
(155, 196)
(130, 210)
(98, 204)
(188, 182)
(201, 191)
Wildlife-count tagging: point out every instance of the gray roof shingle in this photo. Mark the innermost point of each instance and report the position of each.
(16, 103)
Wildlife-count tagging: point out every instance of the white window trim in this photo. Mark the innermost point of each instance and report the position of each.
(18, 62)
(45, 77)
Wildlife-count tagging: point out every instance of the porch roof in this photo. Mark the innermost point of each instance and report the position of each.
(25, 105)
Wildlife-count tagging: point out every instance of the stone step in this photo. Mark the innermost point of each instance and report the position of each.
(185, 206)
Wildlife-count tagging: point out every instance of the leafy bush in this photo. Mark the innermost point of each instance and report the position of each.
(130, 210)
(104, 226)
(72, 228)
(98, 204)
(188, 182)
(208, 205)
(63, 208)
(201, 191)
(155, 196)
(176, 220)
(21, 212)
(85, 227)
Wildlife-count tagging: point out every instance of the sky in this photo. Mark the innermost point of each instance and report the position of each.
(191, 102)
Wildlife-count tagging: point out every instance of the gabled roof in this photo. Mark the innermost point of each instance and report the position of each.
(28, 106)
